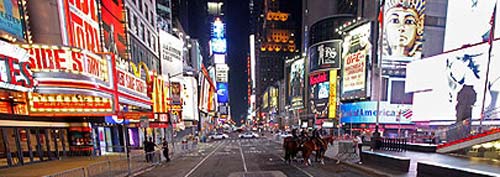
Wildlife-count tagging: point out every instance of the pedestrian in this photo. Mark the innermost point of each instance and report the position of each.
(359, 143)
(150, 148)
(165, 149)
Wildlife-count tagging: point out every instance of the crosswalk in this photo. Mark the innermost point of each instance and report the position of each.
(242, 140)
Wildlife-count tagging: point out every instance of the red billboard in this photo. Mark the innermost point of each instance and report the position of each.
(83, 24)
(113, 27)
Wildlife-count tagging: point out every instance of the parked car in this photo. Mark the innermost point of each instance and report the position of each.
(218, 136)
(249, 135)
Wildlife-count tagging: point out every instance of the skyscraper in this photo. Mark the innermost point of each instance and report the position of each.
(276, 32)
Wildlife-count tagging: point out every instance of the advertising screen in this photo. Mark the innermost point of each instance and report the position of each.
(403, 29)
(296, 85)
(113, 27)
(325, 55)
(218, 37)
(189, 96)
(332, 102)
(221, 73)
(222, 92)
(83, 24)
(10, 18)
(471, 17)
(355, 54)
(176, 93)
(171, 54)
(366, 112)
(455, 85)
(319, 91)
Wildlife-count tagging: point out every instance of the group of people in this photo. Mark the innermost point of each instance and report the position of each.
(304, 137)
(149, 148)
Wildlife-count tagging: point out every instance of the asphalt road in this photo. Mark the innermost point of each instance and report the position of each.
(245, 158)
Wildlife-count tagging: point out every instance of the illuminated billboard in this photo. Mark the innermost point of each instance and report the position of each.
(189, 96)
(403, 29)
(296, 85)
(82, 23)
(15, 73)
(10, 18)
(176, 93)
(171, 54)
(366, 112)
(356, 52)
(471, 18)
(325, 55)
(113, 27)
(451, 86)
(218, 42)
(319, 91)
(222, 92)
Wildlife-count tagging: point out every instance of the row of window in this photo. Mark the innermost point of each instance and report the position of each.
(142, 32)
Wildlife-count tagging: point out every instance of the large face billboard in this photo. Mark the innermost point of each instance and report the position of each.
(10, 18)
(325, 55)
(403, 29)
(355, 54)
(222, 93)
(451, 86)
(296, 85)
(319, 92)
(470, 17)
(82, 24)
(113, 27)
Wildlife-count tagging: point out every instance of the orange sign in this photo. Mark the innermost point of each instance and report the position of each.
(71, 105)
(138, 115)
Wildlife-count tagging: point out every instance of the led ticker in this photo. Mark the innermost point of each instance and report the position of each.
(218, 37)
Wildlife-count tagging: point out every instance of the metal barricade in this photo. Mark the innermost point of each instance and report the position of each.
(76, 172)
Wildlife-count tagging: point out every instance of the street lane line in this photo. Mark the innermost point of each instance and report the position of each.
(298, 168)
(203, 160)
(243, 158)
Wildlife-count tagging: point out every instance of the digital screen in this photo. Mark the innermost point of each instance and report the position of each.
(296, 85)
(113, 23)
(455, 85)
(366, 112)
(404, 44)
(356, 52)
(325, 55)
(222, 93)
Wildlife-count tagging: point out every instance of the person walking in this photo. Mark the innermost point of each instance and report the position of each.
(359, 143)
(165, 149)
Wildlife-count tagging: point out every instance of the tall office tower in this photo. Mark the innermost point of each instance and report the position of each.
(276, 33)
(142, 32)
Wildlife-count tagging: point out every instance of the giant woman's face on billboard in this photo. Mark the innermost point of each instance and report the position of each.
(404, 24)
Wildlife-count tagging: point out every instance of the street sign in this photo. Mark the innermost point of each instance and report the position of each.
(144, 122)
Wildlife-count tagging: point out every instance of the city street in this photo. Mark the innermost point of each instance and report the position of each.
(245, 157)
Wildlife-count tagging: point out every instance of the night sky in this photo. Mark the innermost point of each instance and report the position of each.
(237, 24)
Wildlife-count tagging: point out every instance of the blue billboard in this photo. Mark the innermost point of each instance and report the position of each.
(222, 92)
(218, 42)
(366, 112)
(10, 18)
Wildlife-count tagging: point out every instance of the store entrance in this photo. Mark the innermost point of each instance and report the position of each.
(20, 145)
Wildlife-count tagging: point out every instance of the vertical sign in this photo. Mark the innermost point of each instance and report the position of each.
(113, 27)
(83, 25)
(332, 104)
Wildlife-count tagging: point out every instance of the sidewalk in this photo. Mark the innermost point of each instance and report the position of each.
(69, 163)
(459, 162)
(51, 167)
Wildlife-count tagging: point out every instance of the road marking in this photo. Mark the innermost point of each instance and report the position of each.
(203, 160)
(243, 158)
(298, 168)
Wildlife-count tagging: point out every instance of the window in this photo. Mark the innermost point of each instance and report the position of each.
(143, 34)
(140, 5)
(136, 27)
(146, 12)
(152, 19)
(398, 95)
(149, 38)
